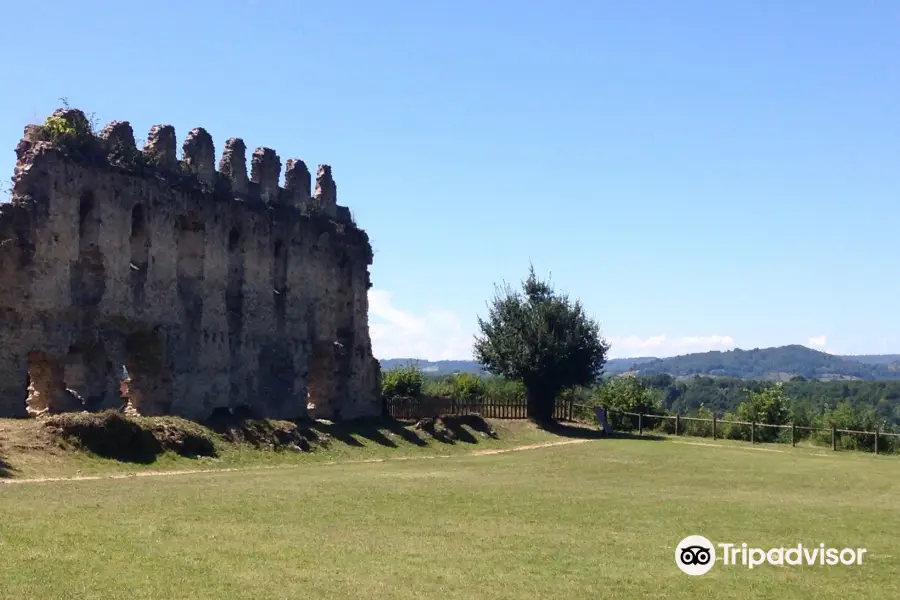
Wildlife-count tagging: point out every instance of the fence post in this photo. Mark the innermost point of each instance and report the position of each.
(752, 432)
(793, 434)
(834, 438)
(677, 421)
(876, 440)
(640, 423)
(714, 427)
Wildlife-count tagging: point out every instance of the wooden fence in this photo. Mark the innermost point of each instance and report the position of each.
(489, 408)
(874, 441)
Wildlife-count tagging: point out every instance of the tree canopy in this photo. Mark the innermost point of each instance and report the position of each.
(541, 338)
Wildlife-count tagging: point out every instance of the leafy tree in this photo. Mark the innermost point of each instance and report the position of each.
(770, 406)
(468, 387)
(402, 382)
(626, 395)
(541, 338)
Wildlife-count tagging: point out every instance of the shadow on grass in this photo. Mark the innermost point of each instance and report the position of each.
(578, 431)
(370, 429)
(6, 469)
(624, 435)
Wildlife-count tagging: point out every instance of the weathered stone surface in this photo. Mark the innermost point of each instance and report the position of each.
(326, 189)
(200, 155)
(160, 146)
(190, 297)
(265, 170)
(118, 135)
(233, 165)
(297, 178)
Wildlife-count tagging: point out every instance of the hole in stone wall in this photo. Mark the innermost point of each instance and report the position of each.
(234, 239)
(75, 374)
(148, 381)
(88, 374)
(140, 248)
(276, 377)
(85, 217)
(279, 281)
(16, 229)
(234, 310)
(139, 238)
(46, 384)
(318, 379)
(88, 283)
(190, 240)
(234, 289)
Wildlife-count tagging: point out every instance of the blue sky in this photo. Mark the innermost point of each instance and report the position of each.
(702, 175)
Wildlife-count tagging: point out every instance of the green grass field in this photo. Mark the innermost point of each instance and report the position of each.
(598, 519)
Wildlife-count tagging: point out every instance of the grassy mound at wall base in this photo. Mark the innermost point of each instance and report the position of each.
(111, 434)
(267, 434)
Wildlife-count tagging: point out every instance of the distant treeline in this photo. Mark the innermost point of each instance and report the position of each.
(865, 403)
(781, 363)
(724, 394)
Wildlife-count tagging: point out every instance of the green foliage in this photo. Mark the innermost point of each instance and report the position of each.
(771, 405)
(467, 387)
(625, 394)
(845, 416)
(807, 399)
(74, 132)
(66, 130)
(541, 338)
(402, 382)
(699, 428)
(57, 127)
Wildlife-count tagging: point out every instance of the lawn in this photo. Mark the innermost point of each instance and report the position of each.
(598, 519)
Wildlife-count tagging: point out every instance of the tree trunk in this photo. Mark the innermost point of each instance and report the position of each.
(541, 403)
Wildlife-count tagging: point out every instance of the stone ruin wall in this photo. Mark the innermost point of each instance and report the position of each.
(214, 290)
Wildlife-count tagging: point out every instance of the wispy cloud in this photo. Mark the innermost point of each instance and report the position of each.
(440, 335)
(662, 345)
(435, 335)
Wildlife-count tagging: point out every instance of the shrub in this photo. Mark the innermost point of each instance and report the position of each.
(504, 390)
(406, 382)
(70, 130)
(437, 386)
(699, 428)
(467, 387)
(626, 394)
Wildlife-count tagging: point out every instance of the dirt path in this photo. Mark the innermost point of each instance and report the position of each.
(261, 468)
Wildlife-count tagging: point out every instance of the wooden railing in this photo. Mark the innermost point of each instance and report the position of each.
(754, 432)
(489, 408)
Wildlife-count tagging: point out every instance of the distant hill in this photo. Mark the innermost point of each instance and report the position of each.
(781, 363)
(440, 367)
(874, 359)
(446, 367)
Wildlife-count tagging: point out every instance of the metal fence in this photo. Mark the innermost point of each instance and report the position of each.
(419, 408)
(879, 442)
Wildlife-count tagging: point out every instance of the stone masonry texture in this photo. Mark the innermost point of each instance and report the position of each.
(132, 278)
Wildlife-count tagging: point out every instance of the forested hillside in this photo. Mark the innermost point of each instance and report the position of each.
(723, 394)
(782, 363)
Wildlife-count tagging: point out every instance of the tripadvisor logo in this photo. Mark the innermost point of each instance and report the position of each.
(696, 555)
